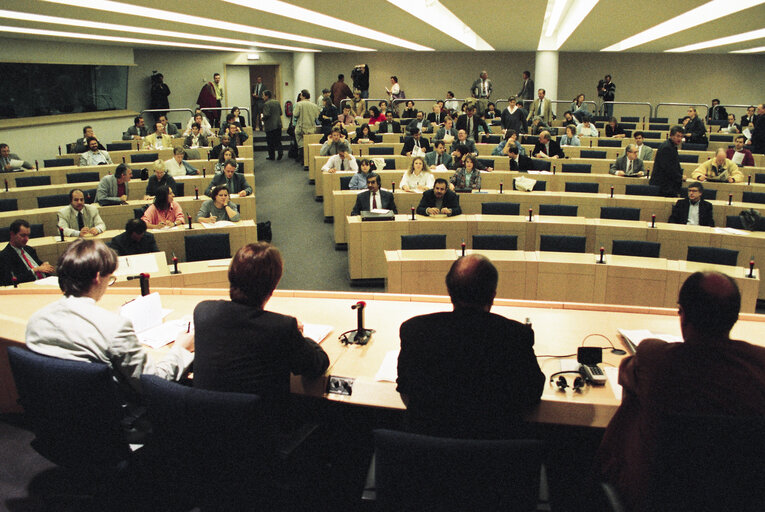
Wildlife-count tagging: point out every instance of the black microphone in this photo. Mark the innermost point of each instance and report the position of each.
(360, 336)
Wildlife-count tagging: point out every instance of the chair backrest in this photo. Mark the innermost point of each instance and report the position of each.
(609, 143)
(500, 208)
(709, 194)
(734, 221)
(58, 162)
(714, 255)
(540, 164)
(144, 157)
(561, 243)
(390, 163)
(496, 242)
(636, 248)
(754, 197)
(90, 195)
(759, 177)
(487, 162)
(411, 242)
(574, 186)
(493, 139)
(719, 137)
(32, 181)
(345, 182)
(658, 120)
(5, 234)
(119, 146)
(658, 126)
(653, 144)
(9, 205)
(530, 139)
(211, 246)
(587, 168)
(693, 146)
(629, 119)
(82, 177)
(590, 153)
(379, 150)
(561, 210)
(686, 158)
(52, 200)
(614, 212)
(72, 407)
(642, 190)
(415, 472)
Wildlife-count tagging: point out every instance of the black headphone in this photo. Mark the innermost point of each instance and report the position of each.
(562, 383)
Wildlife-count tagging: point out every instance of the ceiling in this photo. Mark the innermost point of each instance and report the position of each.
(507, 25)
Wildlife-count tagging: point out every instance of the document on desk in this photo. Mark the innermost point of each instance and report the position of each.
(317, 332)
(217, 224)
(612, 374)
(731, 231)
(388, 371)
(223, 262)
(48, 281)
(635, 336)
(135, 264)
(146, 314)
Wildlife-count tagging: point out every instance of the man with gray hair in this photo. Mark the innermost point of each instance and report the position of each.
(10, 162)
(628, 164)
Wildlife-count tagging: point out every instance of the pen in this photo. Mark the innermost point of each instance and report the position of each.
(188, 328)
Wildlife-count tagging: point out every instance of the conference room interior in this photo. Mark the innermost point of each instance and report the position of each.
(287, 198)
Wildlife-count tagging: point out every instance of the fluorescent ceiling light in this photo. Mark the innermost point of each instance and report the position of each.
(96, 37)
(175, 17)
(39, 18)
(316, 18)
(706, 13)
(439, 17)
(561, 19)
(759, 49)
(722, 41)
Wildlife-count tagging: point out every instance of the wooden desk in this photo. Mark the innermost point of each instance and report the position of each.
(164, 154)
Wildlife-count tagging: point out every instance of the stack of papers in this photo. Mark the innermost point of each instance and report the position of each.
(146, 314)
(136, 264)
(635, 336)
(388, 371)
(217, 224)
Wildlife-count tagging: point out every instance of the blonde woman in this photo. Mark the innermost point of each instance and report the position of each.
(418, 178)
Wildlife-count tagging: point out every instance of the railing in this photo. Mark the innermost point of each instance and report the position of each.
(656, 109)
(164, 110)
(640, 103)
(221, 109)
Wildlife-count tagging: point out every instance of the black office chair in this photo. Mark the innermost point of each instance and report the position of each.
(529, 139)
(415, 472)
(9, 205)
(686, 158)
(759, 178)
(642, 190)
(754, 197)
(560, 243)
(345, 182)
(119, 146)
(390, 163)
(500, 208)
(614, 212)
(58, 162)
(138, 212)
(709, 194)
(693, 146)
(180, 189)
(36, 231)
(211, 246)
(658, 126)
(486, 162)
(413, 242)
(540, 185)
(90, 195)
(32, 181)
(560, 210)
(653, 144)
(53, 200)
(496, 242)
(589, 153)
(379, 150)
(663, 120)
(719, 137)
(72, 407)
(636, 248)
(590, 188)
(540, 164)
(629, 119)
(609, 143)
(585, 168)
(734, 221)
(5, 234)
(714, 255)
(144, 157)
(240, 167)
(494, 139)
(82, 177)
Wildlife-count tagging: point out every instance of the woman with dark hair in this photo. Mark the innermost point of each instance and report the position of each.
(366, 136)
(218, 208)
(375, 116)
(225, 156)
(164, 213)
(359, 180)
(410, 111)
(238, 116)
(467, 176)
(578, 108)
(570, 138)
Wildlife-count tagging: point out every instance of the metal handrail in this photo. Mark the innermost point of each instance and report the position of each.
(241, 109)
(642, 103)
(656, 108)
(394, 103)
(167, 110)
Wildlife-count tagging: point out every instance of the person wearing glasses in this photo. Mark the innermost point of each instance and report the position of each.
(628, 164)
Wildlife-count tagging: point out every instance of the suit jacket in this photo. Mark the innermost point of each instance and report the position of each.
(238, 181)
(679, 213)
(219, 148)
(697, 130)
(305, 114)
(524, 163)
(362, 202)
(383, 127)
(14, 156)
(667, 173)
(430, 159)
(554, 150)
(67, 219)
(645, 153)
(515, 121)
(10, 262)
(106, 194)
(527, 90)
(150, 141)
(445, 357)
(189, 139)
(133, 131)
(124, 245)
(546, 110)
(621, 165)
(441, 133)
(426, 127)
(451, 200)
(438, 120)
(409, 145)
(477, 90)
(758, 135)
(462, 124)
(272, 115)
(717, 113)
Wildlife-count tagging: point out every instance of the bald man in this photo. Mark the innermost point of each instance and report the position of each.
(664, 378)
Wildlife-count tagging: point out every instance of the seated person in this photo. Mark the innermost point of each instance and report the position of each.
(235, 182)
(644, 152)
(230, 119)
(164, 212)
(491, 111)
(718, 168)
(374, 198)
(747, 120)
(135, 240)
(409, 112)
(739, 155)
(375, 117)
(94, 156)
(328, 115)
(218, 208)
(579, 109)
(447, 132)
(137, 131)
(389, 125)
(113, 188)
(417, 178)
(81, 145)
(243, 348)
(178, 166)
(238, 117)
(342, 162)
(415, 145)
(694, 210)
(195, 139)
(463, 140)
(420, 123)
(614, 130)
(510, 138)
(437, 117)
(10, 162)
(159, 139)
(570, 120)
(732, 126)
(359, 180)
(80, 219)
(466, 177)
(451, 104)
(204, 128)
(334, 143)
(358, 105)
(228, 154)
(537, 126)
(628, 164)
(547, 148)
(518, 162)
(225, 143)
(438, 156)
(458, 159)
(161, 178)
(346, 117)
(336, 126)
(570, 138)
(170, 128)
(366, 136)
(237, 136)
(586, 129)
(439, 200)
(19, 260)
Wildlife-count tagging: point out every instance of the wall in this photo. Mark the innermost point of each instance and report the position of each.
(50, 52)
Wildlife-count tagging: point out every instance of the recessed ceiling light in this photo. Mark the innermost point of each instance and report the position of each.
(722, 41)
(561, 19)
(758, 49)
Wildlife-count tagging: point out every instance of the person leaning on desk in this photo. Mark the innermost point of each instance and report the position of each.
(218, 208)
(439, 200)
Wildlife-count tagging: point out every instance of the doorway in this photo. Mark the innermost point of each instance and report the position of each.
(271, 77)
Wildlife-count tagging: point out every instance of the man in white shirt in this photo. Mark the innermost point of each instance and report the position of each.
(94, 156)
(177, 166)
(341, 162)
(80, 219)
(586, 129)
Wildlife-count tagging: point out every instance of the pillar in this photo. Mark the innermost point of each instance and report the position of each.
(303, 73)
(546, 74)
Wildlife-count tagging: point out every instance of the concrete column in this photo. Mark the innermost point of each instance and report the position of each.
(304, 75)
(546, 74)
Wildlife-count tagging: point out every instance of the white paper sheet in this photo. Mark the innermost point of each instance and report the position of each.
(317, 332)
(612, 374)
(731, 231)
(136, 264)
(145, 312)
(217, 224)
(166, 332)
(635, 336)
(48, 281)
(388, 371)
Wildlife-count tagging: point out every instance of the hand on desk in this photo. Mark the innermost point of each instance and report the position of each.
(185, 340)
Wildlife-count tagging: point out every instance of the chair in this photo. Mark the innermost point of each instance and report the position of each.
(642, 190)
(413, 242)
(32, 181)
(144, 157)
(212, 246)
(487, 162)
(559, 243)
(539, 185)
(36, 231)
(589, 153)
(560, 210)
(663, 120)
(686, 158)
(759, 178)
(653, 144)
(90, 195)
(609, 143)
(390, 163)
(82, 177)
(500, 208)
(9, 205)
(719, 137)
(5, 234)
(53, 200)
(72, 407)
(530, 139)
(538, 164)
(345, 182)
(138, 212)
(734, 221)
(636, 248)
(714, 255)
(629, 119)
(58, 162)
(660, 127)
(590, 188)
(378, 150)
(754, 197)
(415, 472)
(119, 146)
(493, 139)
(496, 242)
(614, 212)
(586, 168)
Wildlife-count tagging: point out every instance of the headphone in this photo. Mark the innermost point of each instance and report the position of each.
(562, 383)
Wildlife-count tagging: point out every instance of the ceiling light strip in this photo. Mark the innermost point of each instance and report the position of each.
(722, 41)
(758, 49)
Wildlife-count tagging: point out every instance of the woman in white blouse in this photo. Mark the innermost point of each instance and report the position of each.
(418, 178)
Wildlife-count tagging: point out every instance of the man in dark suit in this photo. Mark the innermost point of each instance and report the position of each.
(415, 141)
(667, 173)
(438, 156)
(135, 240)
(717, 112)
(527, 88)
(695, 131)
(389, 125)
(694, 210)
(470, 122)
(225, 143)
(234, 181)
(19, 260)
(468, 373)
(437, 117)
(758, 134)
(628, 164)
(547, 148)
(519, 162)
(439, 200)
(374, 198)
(272, 124)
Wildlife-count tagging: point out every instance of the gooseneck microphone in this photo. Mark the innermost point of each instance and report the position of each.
(359, 336)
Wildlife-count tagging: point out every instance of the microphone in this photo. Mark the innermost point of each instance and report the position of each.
(360, 336)
(189, 219)
(501, 186)
(61, 232)
(175, 265)
(144, 280)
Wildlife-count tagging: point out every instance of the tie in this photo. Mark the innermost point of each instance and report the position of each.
(438, 159)
(540, 107)
(38, 275)
(374, 200)
(80, 221)
(342, 165)
(470, 126)
(629, 167)
(229, 187)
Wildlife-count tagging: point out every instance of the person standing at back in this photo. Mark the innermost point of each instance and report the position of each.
(272, 124)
